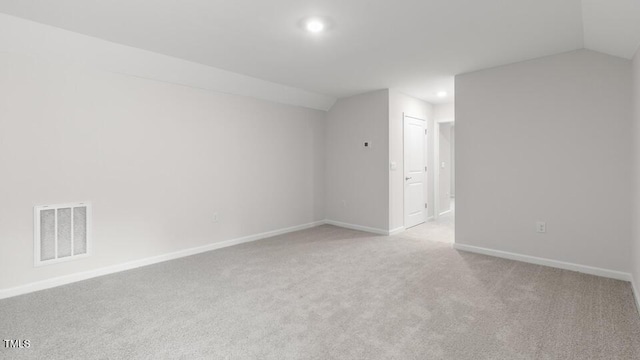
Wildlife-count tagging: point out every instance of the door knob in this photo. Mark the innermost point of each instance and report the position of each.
(407, 178)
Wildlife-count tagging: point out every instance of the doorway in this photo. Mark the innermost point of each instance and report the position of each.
(429, 161)
(444, 183)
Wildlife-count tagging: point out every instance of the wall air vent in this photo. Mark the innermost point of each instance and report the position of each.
(62, 233)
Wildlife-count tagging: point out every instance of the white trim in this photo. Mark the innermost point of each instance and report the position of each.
(436, 170)
(357, 227)
(431, 218)
(68, 279)
(613, 274)
(55, 45)
(404, 115)
(397, 230)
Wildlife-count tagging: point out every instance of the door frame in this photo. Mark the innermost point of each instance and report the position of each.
(425, 150)
(436, 165)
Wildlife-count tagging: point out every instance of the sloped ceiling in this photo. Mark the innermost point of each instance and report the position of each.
(414, 46)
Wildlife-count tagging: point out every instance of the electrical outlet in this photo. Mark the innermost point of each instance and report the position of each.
(541, 227)
(215, 217)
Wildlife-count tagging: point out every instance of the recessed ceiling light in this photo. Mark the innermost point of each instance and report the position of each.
(314, 25)
(441, 94)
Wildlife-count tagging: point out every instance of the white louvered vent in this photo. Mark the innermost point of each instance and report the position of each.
(62, 233)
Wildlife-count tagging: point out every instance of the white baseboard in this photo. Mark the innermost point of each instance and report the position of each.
(613, 274)
(68, 279)
(445, 212)
(397, 230)
(357, 227)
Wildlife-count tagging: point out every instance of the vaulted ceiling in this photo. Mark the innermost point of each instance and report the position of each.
(415, 46)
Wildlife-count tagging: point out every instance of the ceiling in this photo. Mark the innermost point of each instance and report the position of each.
(414, 46)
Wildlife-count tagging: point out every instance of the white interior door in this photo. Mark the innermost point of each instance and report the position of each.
(414, 171)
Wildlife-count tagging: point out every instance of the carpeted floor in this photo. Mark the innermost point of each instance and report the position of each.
(330, 293)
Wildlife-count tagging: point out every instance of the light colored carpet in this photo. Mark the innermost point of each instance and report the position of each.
(330, 293)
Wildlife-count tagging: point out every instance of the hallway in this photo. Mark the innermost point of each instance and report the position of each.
(441, 230)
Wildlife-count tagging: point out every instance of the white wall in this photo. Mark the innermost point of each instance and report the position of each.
(547, 139)
(357, 181)
(444, 112)
(355, 175)
(155, 159)
(445, 173)
(452, 184)
(400, 104)
(636, 213)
